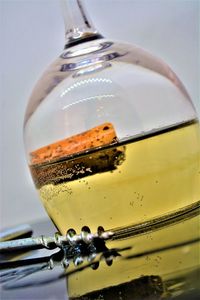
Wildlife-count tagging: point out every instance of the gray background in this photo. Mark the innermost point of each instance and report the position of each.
(32, 35)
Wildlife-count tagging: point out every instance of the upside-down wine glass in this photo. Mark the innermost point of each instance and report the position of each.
(111, 135)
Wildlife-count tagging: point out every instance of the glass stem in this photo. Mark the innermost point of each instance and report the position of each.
(78, 26)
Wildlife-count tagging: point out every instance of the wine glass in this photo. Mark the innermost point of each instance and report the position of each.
(111, 135)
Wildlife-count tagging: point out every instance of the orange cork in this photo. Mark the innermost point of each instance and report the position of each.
(98, 136)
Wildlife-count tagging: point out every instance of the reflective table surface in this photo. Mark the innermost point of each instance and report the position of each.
(158, 263)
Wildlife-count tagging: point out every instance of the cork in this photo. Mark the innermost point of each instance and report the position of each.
(98, 136)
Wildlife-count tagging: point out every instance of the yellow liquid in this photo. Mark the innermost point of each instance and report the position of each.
(160, 264)
(147, 178)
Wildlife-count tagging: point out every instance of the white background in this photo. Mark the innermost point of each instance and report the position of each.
(32, 35)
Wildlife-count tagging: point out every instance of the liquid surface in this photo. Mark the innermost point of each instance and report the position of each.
(123, 185)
